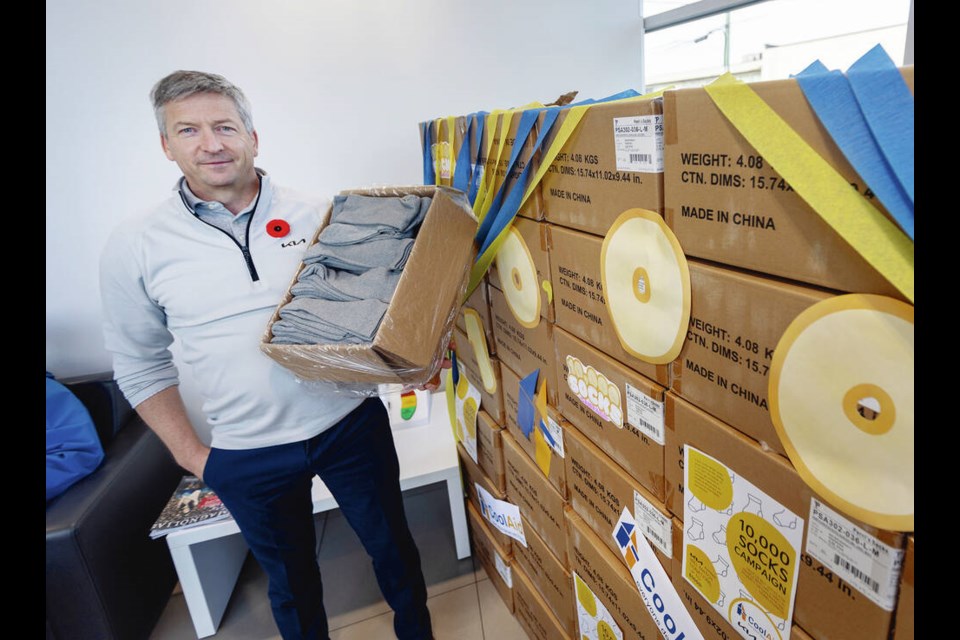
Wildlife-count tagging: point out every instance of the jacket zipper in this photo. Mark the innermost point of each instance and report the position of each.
(244, 248)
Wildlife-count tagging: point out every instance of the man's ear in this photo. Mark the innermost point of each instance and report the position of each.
(166, 149)
(256, 142)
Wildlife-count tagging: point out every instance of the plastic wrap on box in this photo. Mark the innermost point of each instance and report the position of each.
(412, 339)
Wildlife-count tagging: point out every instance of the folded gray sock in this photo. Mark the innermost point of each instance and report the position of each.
(318, 281)
(389, 253)
(402, 213)
(315, 321)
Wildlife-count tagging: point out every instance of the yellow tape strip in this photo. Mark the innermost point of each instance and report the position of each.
(452, 406)
(489, 162)
(862, 225)
(452, 133)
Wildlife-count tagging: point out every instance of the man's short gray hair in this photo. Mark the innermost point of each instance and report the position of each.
(182, 84)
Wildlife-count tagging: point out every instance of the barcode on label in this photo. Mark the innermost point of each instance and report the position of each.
(641, 157)
(650, 427)
(656, 537)
(864, 578)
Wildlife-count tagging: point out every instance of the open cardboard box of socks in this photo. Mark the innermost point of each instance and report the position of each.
(410, 340)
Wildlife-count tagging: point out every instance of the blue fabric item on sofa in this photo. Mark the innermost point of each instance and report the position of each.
(73, 446)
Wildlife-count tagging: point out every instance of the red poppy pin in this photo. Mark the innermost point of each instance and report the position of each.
(278, 228)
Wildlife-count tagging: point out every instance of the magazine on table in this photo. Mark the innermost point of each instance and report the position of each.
(192, 504)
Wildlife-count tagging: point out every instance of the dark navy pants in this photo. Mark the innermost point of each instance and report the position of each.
(267, 491)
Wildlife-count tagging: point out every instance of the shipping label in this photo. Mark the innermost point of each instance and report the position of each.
(871, 566)
(639, 143)
(657, 527)
(645, 413)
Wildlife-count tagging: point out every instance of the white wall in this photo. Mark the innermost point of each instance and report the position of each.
(337, 88)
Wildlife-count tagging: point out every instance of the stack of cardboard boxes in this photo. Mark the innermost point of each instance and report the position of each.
(616, 426)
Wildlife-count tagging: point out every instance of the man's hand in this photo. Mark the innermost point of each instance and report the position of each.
(434, 383)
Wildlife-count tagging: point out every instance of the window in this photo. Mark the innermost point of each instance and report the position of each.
(766, 40)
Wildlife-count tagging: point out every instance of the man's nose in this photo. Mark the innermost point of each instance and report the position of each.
(210, 141)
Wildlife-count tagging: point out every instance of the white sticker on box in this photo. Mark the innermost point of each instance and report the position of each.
(645, 413)
(505, 516)
(503, 569)
(639, 143)
(467, 403)
(557, 434)
(657, 527)
(741, 547)
(593, 619)
(868, 564)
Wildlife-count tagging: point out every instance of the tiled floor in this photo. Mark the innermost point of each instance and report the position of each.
(463, 602)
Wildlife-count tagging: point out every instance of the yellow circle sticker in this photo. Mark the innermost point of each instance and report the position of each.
(709, 480)
(604, 632)
(700, 572)
(586, 598)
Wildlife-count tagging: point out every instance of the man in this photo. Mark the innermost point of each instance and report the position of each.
(209, 265)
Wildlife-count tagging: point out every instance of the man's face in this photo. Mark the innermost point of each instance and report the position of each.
(207, 140)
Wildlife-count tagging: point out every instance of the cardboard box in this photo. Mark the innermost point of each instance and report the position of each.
(551, 461)
(580, 304)
(726, 203)
(549, 576)
(532, 611)
(903, 628)
(522, 349)
(618, 409)
(490, 450)
(540, 504)
(599, 491)
(494, 559)
(612, 162)
(473, 475)
(478, 305)
(736, 321)
(483, 375)
(606, 583)
(527, 286)
(413, 333)
(826, 605)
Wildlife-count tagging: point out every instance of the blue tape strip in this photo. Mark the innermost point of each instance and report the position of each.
(428, 174)
(527, 119)
(508, 212)
(887, 105)
(475, 178)
(461, 174)
(832, 99)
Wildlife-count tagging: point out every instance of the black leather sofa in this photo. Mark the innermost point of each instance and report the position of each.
(105, 578)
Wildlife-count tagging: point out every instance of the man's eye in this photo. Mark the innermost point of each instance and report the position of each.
(227, 128)
(187, 131)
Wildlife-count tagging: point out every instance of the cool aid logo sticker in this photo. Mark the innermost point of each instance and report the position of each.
(740, 548)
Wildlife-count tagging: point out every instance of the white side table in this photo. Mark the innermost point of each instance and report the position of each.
(208, 558)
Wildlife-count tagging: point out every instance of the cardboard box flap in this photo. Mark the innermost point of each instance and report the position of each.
(409, 334)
